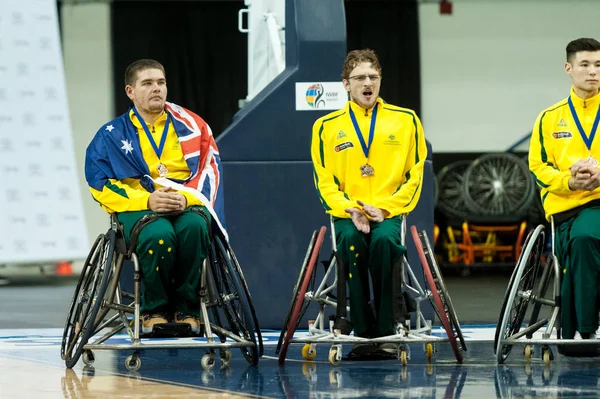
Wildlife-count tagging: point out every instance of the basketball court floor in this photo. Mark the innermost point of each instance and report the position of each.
(31, 367)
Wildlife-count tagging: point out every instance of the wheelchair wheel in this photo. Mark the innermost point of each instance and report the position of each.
(498, 185)
(233, 300)
(92, 285)
(244, 284)
(547, 276)
(311, 245)
(300, 306)
(518, 293)
(451, 198)
(441, 299)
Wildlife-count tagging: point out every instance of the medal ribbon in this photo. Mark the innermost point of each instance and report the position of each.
(365, 147)
(587, 140)
(157, 149)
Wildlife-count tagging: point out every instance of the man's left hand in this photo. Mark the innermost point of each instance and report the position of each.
(182, 202)
(376, 214)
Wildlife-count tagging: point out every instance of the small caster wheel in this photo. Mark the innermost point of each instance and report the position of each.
(88, 357)
(334, 359)
(133, 362)
(547, 357)
(309, 352)
(429, 351)
(226, 357)
(528, 352)
(208, 361)
(403, 357)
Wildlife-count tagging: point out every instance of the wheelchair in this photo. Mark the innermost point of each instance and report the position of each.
(331, 291)
(100, 309)
(523, 302)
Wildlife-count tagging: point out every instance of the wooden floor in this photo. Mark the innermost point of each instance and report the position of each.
(30, 367)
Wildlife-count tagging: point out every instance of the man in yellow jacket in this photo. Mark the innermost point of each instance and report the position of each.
(368, 163)
(563, 158)
(160, 159)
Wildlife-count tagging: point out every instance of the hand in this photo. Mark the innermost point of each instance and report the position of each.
(578, 165)
(360, 220)
(376, 214)
(164, 200)
(587, 178)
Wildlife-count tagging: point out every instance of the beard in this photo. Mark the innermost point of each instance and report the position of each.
(155, 106)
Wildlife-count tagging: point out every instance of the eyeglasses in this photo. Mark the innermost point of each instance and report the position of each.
(362, 78)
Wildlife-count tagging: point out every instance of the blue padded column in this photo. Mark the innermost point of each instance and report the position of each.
(270, 200)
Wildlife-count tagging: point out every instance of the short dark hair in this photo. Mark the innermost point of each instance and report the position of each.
(356, 57)
(138, 66)
(582, 44)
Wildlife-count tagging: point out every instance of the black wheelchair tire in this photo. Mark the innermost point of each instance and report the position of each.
(527, 270)
(98, 291)
(233, 301)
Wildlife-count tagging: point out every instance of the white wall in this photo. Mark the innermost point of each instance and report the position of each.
(88, 71)
(488, 69)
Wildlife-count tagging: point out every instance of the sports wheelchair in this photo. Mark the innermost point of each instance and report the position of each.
(522, 292)
(227, 315)
(331, 290)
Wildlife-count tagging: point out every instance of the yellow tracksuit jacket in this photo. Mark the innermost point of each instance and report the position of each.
(555, 145)
(397, 154)
(128, 194)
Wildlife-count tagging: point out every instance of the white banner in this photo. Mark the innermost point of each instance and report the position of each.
(41, 212)
(319, 96)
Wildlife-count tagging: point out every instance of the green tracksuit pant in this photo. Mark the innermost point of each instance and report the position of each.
(170, 251)
(372, 253)
(578, 251)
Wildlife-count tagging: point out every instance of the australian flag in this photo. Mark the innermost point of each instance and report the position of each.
(106, 160)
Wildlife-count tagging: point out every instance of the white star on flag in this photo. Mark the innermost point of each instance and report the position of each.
(110, 128)
(127, 147)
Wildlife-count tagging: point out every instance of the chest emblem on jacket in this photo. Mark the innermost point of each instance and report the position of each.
(562, 123)
(341, 135)
(345, 145)
(391, 140)
(562, 135)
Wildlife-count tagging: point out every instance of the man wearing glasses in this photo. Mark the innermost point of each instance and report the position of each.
(368, 160)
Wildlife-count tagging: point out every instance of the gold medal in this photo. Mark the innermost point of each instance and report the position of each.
(367, 170)
(162, 170)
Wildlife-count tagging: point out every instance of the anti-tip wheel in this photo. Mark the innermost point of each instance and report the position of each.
(309, 352)
(133, 362)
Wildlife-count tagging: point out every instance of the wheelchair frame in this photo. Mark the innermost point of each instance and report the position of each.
(521, 292)
(321, 333)
(223, 293)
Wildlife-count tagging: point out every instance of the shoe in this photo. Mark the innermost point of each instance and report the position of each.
(388, 347)
(193, 321)
(588, 335)
(149, 320)
(361, 349)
